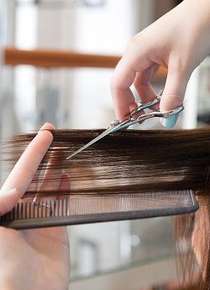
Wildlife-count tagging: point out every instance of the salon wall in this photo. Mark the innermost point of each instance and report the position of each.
(7, 24)
(135, 278)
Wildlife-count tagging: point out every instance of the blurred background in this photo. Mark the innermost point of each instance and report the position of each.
(38, 86)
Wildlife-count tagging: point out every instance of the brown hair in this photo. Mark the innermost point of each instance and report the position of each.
(130, 160)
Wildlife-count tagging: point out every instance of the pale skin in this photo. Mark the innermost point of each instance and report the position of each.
(179, 40)
(32, 259)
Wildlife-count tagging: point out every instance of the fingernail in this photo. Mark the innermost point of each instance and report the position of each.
(169, 122)
(47, 126)
(132, 107)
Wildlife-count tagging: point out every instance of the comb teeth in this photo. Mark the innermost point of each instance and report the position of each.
(26, 210)
(83, 208)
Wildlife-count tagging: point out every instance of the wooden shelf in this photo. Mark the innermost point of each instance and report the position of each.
(58, 59)
(64, 59)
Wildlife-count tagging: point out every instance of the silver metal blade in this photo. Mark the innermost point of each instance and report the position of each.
(96, 139)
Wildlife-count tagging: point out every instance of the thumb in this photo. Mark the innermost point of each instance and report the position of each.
(8, 199)
(173, 94)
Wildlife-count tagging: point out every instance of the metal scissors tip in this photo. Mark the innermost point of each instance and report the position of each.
(136, 116)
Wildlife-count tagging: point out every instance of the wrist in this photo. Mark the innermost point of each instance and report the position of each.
(198, 22)
(198, 14)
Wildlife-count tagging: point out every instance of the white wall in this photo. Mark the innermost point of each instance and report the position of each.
(135, 278)
(103, 30)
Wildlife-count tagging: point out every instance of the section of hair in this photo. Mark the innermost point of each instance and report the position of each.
(193, 246)
(188, 271)
(130, 160)
(201, 241)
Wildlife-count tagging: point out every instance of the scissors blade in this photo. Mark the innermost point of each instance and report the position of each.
(93, 141)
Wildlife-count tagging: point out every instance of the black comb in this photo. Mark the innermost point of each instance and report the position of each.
(92, 208)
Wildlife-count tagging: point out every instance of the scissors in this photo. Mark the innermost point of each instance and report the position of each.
(137, 116)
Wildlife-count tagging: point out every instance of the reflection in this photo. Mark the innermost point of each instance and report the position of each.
(88, 256)
(201, 242)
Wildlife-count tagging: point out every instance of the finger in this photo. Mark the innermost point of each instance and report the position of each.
(143, 86)
(53, 175)
(123, 99)
(58, 234)
(22, 174)
(136, 59)
(173, 93)
(64, 183)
